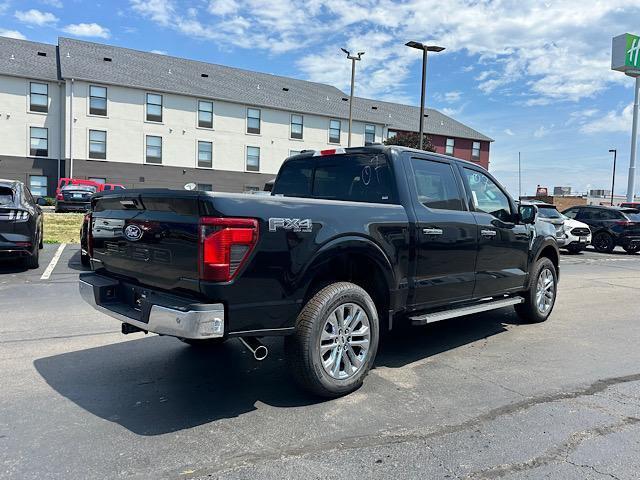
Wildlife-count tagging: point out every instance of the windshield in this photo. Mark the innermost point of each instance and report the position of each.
(6, 195)
(86, 188)
(549, 212)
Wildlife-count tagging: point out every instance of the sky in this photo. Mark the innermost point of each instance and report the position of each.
(533, 75)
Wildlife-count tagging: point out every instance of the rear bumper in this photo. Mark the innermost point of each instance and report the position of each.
(73, 206)
(158, 312)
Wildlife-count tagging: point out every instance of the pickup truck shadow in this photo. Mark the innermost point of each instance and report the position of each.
(155, 385)
(74, 263)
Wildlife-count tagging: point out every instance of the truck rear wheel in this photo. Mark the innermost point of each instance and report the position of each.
(541, 296)
(336, 340)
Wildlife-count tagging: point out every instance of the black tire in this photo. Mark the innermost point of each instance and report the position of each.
(603, 242)
(41, 242)
(574, 249)
(210, 342)
(633, 249)
(33, 261)
(303, 349)
(528, 311)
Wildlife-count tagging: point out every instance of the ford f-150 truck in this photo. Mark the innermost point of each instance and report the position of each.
(349, 243)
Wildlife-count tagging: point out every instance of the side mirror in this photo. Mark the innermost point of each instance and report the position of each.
(528, 214)
(41, 201)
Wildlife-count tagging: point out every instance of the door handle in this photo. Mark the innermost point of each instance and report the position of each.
(432, 231)
(488, 233)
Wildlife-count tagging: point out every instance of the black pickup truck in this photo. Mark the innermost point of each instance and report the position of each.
(349, 243)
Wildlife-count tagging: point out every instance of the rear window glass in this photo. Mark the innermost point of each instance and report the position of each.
(355, 178)
(632, 216)
(87, 188)
(6, 195)
(548, 212)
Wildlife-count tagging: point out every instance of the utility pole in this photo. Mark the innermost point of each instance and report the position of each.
(353, 59)
(519, 178)
(613, 180)
(425, 49)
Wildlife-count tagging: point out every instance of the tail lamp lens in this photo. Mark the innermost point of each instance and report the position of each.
(225, 244)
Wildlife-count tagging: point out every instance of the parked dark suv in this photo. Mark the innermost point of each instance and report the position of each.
(20, 223)
(611, 226)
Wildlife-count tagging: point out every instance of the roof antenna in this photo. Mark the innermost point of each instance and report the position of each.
(13, 57)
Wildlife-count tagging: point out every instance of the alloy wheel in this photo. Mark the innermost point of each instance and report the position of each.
(345, 339)
(545, 291)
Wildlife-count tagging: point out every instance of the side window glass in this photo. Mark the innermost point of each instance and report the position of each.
(294, 179)
(436, 185)
(571, 213)
(487, 196)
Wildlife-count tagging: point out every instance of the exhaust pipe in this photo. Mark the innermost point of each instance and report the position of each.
(256, 347)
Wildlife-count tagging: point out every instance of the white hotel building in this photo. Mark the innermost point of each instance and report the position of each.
(146, 120)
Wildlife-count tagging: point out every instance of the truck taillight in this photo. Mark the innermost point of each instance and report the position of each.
(59, 196)
(225, 244)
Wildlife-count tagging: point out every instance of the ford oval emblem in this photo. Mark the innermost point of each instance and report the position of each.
(133, 233)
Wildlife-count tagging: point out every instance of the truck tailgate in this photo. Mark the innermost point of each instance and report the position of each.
(151, 237)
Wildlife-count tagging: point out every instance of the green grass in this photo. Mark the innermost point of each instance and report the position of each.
(62, 227)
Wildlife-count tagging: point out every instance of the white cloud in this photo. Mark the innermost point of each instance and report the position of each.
(509, 132)
(87, 30)
(160, 11)
(35, 17)
(553, 51)
(452, 112)
(159, 52)
(452, 97)
(12, 34)
(223, 7)
(4, 6)
(613, 121)
(542, 131)
(52, 3)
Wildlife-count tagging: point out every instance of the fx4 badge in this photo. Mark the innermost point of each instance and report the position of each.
(291, 224)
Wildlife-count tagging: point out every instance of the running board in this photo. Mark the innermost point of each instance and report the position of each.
(468, 310)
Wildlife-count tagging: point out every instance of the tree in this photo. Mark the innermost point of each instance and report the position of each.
(411, 140)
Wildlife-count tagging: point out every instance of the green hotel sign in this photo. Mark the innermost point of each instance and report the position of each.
(625, 53)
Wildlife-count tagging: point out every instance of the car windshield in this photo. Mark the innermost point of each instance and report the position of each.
(86, 188)
(6, 195)
(549, 212)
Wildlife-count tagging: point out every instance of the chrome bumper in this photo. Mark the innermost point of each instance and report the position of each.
(196, 321)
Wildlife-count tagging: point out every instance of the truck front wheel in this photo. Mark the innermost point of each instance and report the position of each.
(336, 340)
(541, 296)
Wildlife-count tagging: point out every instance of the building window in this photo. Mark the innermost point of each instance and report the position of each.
(369, 134)
(450, 145)
(39, 142)
(253, 120)
(253, 159)
(475, 150)
(205, 114)
(296, 126)
(39, 97)
(98, 101)
(154, 107)
(38, 185)
(334, 131)
(98, 144)
(98, 180)
(205, 154)
(391, 134)
(204, 187)
(154, 149)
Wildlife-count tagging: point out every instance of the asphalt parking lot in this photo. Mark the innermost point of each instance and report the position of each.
(476, 397)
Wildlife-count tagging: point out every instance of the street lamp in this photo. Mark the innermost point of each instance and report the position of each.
(353, 59)
(613, 180)
(425, 49)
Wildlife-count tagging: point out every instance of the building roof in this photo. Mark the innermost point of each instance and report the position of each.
(86, 61)
(20, 58)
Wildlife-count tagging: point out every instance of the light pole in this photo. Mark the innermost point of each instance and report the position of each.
(631, 187)
(353, 59)
(425, 49)
(613, 180)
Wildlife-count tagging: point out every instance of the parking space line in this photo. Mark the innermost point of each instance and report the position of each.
(52, 264)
